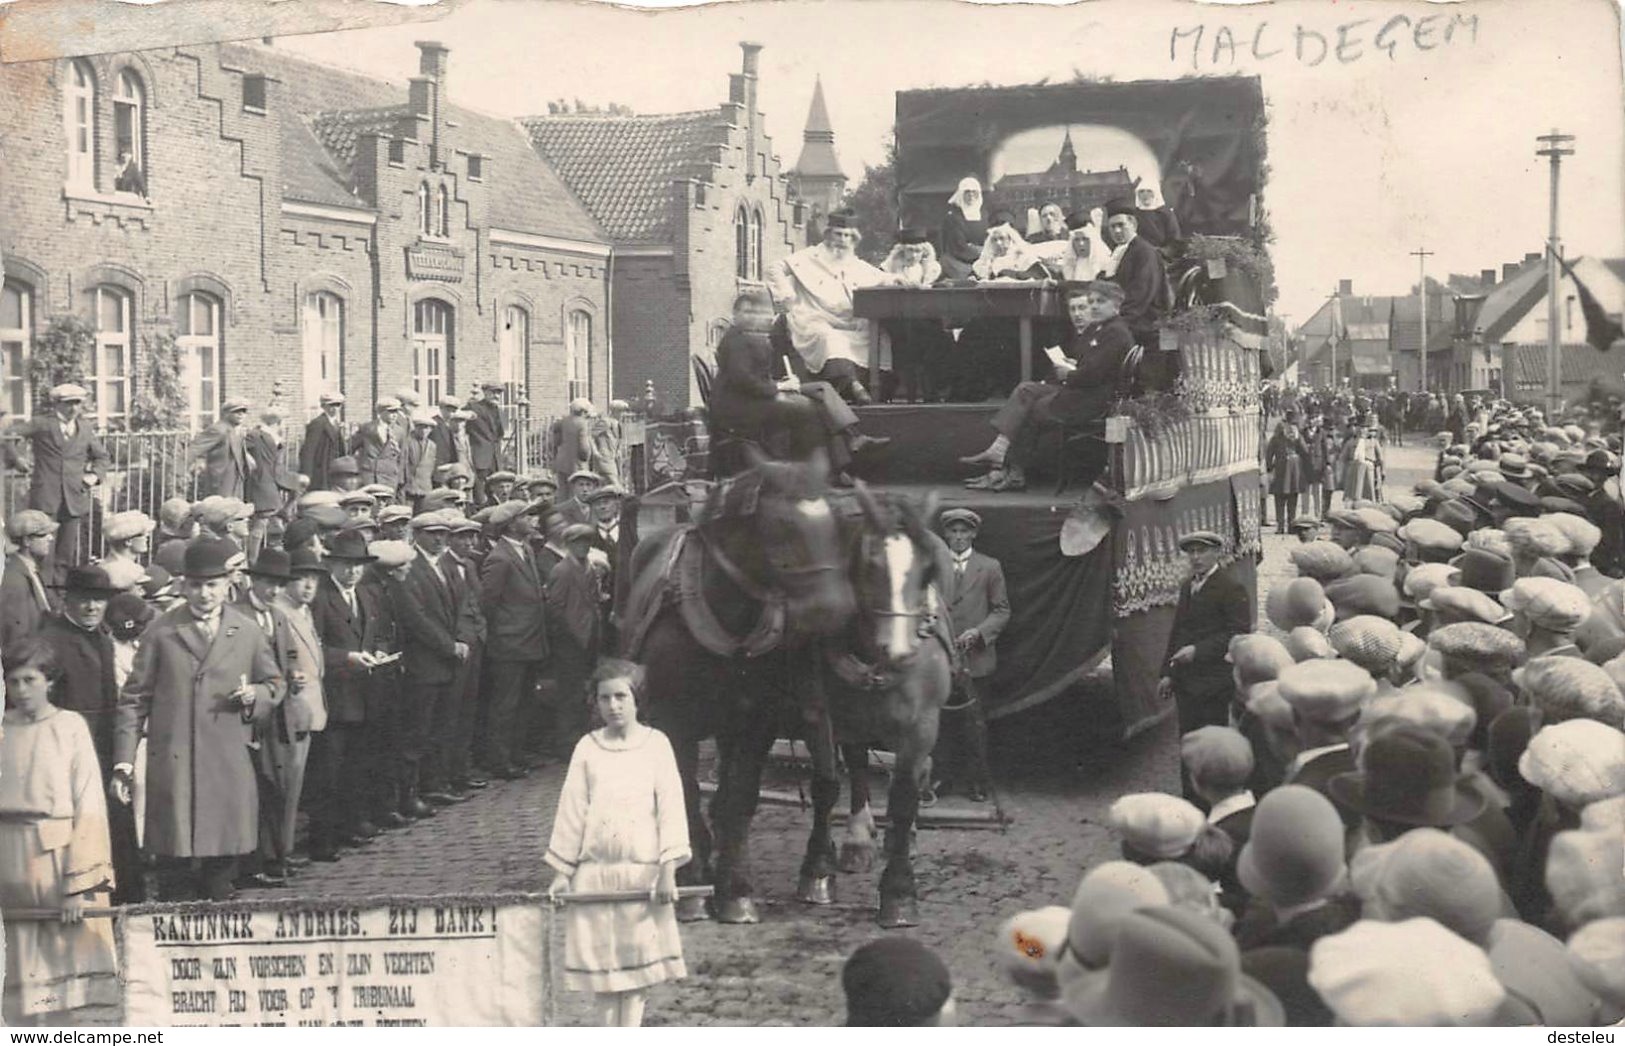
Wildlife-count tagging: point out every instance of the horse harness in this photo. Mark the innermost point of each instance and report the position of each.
(686, 567)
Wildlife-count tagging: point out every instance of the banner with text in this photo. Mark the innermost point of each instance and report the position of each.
(428, 962)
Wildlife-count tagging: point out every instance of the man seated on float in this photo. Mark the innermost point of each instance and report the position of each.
(813, 287)
(990, 346)
(1078, 258)
(786, 417)
(1098, 346)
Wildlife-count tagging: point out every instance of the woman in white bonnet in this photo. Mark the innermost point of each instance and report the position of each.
(918, 346)
(1158, 225)
(963, 230)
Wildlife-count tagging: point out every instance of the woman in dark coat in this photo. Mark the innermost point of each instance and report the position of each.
(1286, 458)
(963, 230)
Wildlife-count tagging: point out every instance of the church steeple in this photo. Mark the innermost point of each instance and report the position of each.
(1067, 162)
(818, 159)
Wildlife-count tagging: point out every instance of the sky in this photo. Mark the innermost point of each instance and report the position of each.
(1393, 126)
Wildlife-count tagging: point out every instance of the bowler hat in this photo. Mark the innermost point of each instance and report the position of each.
(351, 546)
(1408, 776)
(343, 466)
(306, 561)
(1485, 570)
(1294, 851)
(272, 563)
(88, 580)
(1103, 899)
(208, 558)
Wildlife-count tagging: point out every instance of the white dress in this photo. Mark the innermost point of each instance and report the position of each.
(620, 817)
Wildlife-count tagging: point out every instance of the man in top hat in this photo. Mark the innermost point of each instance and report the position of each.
(574, 595)
(418, 459)
(324, 441)
(978, 610)
(514, 599)
(270, 483)
(68, 461)
(1099, 348)
(1213, 607)
(204, 675)
(438, 628)
(486, 431)
(24, 599)
(813, 288)
(219, 455)
(88, 686)
(1146, 295)
(376, 448)
(357, 635)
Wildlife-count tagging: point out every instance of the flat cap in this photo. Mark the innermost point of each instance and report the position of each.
(1565, 688)
(1325, 561)
(1368, 641)
(430, 521)
(30, 523)
(1430, 534)
(960, 515)
(1326, 691)
(391, 554)
(1157, 824)
(395, 514)
(585, 474)
(1477, 641)
(605, 493)
(1548, 603)
(123, 526)
(68, 392)
(329, 399)
(1364, 594)
(1217, 756)
(578, 532)
(1578, 762)
(344, 465)
(1459, 603)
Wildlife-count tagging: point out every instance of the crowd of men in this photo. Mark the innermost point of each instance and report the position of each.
(368, 634)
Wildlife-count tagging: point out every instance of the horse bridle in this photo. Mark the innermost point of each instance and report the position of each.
(743, 581)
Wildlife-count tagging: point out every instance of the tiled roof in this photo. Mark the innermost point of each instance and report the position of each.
(327, 110)
(623, 167)
(1510, 301)
(1582, 364)
(1405, 327)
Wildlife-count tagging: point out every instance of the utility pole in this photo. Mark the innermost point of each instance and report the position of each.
(1422, 255)
(1555, 146)
(1337, 322)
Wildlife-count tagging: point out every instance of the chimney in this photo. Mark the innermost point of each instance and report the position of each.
(432, 74)
(1486, 277)
(1345, 287)
(1532, 256)
(750, 66)
(1509, 270)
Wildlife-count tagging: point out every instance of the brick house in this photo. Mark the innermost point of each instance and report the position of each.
(299, 227)
(696, 207)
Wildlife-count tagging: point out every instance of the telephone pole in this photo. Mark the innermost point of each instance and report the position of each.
(1421, 254)
(1555, 146)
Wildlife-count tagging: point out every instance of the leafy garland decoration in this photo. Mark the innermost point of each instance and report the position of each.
(1155, 413)
(160, 402)
(59, 355)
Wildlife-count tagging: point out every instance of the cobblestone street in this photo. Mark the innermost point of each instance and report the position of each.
(786, 970)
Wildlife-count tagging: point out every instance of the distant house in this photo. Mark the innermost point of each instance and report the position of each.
(1512, 328)
(696, 208)
(1348, 340)
(1405, 331)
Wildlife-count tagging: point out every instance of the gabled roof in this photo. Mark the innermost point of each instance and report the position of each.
(1510, 301)
(623, 167)
(1405, 326)
(327, 110)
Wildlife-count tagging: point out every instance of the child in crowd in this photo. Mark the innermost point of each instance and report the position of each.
(620, 827)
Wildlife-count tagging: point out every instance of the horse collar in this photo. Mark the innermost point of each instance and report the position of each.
(735, 573)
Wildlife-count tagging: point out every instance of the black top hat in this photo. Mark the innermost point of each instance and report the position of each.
(841, 219)
(350, 545)
(90, 580)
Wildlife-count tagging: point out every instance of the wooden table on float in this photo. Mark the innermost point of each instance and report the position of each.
(959, 303)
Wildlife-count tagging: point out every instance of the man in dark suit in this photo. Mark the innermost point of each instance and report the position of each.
(462, 561)
(376, 447)
(1218, 762)
(88, 686)
(485, 434)
(324, 441)
(270, 484)
(354, 626)
(445, 441)
(978, 610)
(573, 599)
(435, 639)
(605, 558)
(514, 597)
(68, 461)
(24, 600)
(219, 454)
(1146, 295)
(1213, 607)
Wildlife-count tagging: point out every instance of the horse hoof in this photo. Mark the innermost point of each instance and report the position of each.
(692, 910)
(738, 911)
(856, 858)
(816, 889)
(898, 913)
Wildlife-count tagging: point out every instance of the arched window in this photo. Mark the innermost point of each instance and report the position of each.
(109, 370)
(425, 216)
(322, 332)
(197, 326)
(742, 244)
(129, 133)
(445, 212)
(16, 345)
(432, 334)
(513, 347)
(756, 235)
(578, 353)
(79, 123)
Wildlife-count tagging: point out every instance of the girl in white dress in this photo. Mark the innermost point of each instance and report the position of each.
(620, 826)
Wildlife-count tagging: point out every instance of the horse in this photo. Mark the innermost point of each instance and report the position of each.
(892, 673)
(725, 614)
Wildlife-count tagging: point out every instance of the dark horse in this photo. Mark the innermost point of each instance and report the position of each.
(891, 675)
(725, 614)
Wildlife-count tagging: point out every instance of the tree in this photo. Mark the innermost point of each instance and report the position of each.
(874, 202)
